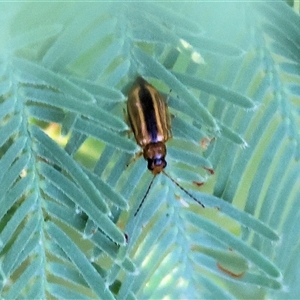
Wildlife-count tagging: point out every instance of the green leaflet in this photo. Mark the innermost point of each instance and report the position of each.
(65, 69)
(93, 279)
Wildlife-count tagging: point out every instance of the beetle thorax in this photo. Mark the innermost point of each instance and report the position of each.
(155, 154)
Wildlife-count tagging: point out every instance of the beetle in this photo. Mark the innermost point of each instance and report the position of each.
(150, 121)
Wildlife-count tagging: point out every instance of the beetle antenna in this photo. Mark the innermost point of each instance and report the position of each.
(144, 196)
(183, 189)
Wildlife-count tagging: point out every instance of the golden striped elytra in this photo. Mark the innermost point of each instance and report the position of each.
(149, 118)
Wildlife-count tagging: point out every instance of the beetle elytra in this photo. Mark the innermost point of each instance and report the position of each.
(150, 121)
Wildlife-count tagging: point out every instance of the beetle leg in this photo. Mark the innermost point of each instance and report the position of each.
(135, 157)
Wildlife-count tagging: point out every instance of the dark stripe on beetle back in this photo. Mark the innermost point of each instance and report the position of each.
(148, 112)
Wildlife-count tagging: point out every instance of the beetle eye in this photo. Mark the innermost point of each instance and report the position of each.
(150, 164)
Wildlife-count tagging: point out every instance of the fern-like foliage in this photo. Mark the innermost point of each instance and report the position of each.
(69, 185)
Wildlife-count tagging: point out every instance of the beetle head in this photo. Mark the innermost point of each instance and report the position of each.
(155, 154)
